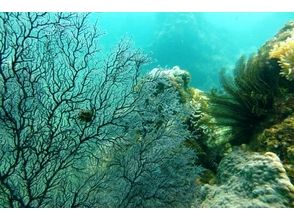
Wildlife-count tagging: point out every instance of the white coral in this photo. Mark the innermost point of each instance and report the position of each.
(284, 52)
(176, 76)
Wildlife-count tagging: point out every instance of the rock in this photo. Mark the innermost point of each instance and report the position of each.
(247, 179)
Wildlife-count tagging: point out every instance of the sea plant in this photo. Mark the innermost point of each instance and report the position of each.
(246, 100)
(284, 53)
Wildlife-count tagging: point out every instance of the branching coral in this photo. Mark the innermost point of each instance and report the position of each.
(284, 52)
(193, 110)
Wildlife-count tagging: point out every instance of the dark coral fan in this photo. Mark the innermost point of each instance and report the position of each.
(247, 98)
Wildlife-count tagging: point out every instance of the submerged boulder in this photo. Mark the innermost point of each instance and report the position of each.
(247, 179)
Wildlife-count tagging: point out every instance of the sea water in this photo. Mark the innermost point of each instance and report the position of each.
(201, 43)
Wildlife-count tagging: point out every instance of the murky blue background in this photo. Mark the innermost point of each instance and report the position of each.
(201, 43)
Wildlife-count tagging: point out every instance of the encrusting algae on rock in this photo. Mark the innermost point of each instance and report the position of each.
(278, 139)
(259, 170)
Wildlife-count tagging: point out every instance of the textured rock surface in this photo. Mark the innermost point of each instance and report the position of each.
(279, 139)
(247, 179)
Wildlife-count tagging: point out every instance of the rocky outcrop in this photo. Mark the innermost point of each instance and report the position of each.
(247, 179)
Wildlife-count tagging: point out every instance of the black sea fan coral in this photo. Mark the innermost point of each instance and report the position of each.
(247, 98)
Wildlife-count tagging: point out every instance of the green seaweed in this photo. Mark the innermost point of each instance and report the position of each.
(246, 100)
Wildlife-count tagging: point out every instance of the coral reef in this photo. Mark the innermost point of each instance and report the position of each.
(204, 134)
(193, 100)
(256, 108)
(281, 49)
(256, 111)
(247, 179)
(178, 80)
(174, 77)
(160, 130)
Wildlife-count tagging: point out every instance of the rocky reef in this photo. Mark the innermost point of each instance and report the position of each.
(205, 136)
(259, 170)
(255, 166)
(243, 136)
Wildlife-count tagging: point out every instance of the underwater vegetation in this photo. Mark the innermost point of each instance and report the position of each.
(83, 129)
(247, 99)
(259, 94)
(284, 52)
(256, 106)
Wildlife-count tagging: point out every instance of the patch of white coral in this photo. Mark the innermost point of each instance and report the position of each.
(175, 76)
(247, 179)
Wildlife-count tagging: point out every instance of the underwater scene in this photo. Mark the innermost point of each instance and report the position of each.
(149, 109)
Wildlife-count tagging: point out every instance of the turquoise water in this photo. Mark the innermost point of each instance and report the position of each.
(201, 43)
